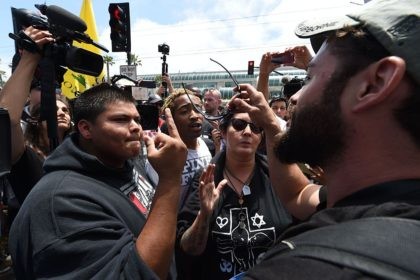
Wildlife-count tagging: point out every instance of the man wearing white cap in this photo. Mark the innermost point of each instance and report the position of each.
(357, 117)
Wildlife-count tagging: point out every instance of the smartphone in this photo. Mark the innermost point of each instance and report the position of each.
(149, 116)
(283, 58)
(147, 84)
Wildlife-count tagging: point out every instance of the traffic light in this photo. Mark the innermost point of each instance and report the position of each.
(251, 67)
(119, 21)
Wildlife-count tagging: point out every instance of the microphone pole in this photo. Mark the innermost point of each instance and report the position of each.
(164, 72)
(48, 99)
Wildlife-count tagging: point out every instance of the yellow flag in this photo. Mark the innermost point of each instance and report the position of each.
(75, 82)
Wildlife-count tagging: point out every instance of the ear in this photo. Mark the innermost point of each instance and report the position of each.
(84, 128)
(380, 81)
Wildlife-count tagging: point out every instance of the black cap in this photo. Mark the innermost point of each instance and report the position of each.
(154, 99)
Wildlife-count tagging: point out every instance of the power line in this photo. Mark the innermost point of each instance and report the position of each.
(208, 29)
(238, 18)
(223, 50)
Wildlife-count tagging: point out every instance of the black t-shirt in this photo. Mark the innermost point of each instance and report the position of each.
(207, 137)
(25, 173)
(392, 199)
(233, 247)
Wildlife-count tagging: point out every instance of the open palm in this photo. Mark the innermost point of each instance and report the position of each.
(209, 194)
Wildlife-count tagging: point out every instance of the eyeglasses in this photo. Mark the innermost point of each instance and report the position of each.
(201, 111)
(240, 125)
(238, 88)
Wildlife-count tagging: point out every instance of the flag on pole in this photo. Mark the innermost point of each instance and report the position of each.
(74, 82)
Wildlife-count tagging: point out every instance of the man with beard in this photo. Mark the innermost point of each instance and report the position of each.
(362, 87)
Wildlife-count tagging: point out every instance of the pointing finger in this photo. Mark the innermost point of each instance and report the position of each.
(173, 131)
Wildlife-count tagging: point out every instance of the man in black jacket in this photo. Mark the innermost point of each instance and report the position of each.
(84, 218)
(357, 117)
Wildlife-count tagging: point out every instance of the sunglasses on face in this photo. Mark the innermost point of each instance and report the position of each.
(240, 125)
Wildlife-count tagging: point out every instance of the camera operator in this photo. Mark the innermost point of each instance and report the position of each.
(27, 154)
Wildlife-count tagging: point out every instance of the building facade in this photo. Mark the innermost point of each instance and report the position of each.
(222, 81)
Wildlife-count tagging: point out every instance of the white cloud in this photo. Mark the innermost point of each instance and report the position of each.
(232, 32)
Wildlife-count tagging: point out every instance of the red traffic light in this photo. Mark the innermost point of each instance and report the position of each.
(119, 21)
(251, 67)
(116, 12)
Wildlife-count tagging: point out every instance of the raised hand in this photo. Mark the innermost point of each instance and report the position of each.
(302, 57)
(266, 66)
(167, 153)
(209, 195)
(254, 103)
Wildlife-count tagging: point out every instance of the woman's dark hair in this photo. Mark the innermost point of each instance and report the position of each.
(224, 123)
(34, 130)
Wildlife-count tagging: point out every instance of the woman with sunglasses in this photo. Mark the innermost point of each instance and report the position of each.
(230, 227)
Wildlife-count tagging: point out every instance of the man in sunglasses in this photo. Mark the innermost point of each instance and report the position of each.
(362, 85)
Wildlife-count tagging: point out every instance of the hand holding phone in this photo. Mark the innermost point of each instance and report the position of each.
(286, 57)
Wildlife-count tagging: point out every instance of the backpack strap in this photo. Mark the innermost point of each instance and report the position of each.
(383, 247)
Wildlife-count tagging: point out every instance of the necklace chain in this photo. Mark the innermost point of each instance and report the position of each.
(244, 184)
(233, 186)
(239, 180)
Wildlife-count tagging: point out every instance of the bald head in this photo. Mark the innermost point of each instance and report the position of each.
(212, 101)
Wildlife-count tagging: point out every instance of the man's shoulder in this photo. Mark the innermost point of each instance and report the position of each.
(67, 185)
(348, 248)
(300, 268)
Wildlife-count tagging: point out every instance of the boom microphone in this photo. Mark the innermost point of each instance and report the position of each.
(27, 18)
(57, 15)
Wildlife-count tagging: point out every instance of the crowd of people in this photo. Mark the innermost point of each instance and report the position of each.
(307, 185)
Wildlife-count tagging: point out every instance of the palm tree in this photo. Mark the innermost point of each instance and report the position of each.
(134, 59)
(2, 78)
(108, 60)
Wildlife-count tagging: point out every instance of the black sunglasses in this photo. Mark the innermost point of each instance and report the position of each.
(240, 125)
(201, 111)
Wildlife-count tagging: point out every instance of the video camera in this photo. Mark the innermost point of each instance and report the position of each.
(147, 102)
(163, 48)
(65, 27)
(292, 86)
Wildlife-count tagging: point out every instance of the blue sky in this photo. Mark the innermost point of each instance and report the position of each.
(232, 32)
